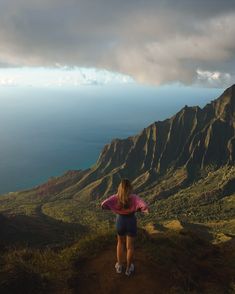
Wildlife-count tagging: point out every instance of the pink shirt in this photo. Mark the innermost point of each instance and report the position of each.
(136, 204)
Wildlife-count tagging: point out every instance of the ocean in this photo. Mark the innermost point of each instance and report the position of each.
(45, 132)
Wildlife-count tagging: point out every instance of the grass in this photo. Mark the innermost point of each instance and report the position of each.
(45, 270)
(193, 263)
(202, 201)
(189, 235)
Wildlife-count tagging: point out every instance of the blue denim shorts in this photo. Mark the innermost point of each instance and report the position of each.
(126, 225)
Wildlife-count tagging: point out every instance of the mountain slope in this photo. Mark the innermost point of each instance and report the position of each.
(189, 141)
(56, 239)
(183, 166)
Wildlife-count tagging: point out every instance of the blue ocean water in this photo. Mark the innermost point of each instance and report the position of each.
(45, 132)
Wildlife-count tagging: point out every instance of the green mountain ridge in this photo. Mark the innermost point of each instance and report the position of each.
(55, 238)
(183, 166)
(191, 139)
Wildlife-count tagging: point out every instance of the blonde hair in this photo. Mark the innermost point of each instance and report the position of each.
(124, 190)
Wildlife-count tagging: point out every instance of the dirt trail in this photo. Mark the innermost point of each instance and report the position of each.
(98, 276)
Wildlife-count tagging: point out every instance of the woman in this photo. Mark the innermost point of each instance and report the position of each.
(125, 204)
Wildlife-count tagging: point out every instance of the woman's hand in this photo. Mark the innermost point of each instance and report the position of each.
(104, 206)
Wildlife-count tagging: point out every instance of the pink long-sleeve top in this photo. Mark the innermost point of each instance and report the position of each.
(136, 204)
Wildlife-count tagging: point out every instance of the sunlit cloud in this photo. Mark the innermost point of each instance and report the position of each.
(214, 79)
(60, 76)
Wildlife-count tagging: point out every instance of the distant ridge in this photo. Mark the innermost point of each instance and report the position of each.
(189, 141)
(192, 136)
(182, 166)
(192, 139)
(180, 146)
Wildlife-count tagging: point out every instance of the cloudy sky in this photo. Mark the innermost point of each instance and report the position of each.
(154, 42)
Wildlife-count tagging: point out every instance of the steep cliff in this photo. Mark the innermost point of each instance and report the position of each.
(189, 141)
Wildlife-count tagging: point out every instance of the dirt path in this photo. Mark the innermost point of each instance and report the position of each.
(98, 276)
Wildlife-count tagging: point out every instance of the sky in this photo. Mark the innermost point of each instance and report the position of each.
(153, 42)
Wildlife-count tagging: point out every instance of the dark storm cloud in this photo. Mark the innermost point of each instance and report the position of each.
(153, 41)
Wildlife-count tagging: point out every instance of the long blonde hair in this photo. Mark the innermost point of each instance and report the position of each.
(124, 190)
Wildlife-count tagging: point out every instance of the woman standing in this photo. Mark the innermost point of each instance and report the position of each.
(125, 204)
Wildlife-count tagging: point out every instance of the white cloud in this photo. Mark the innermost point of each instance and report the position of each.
(62, 76)
(213, 79)
(7, 82)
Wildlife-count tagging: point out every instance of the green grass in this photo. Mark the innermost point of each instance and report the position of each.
(188, 257)
(200, 201)
(53, 233)
(45, 270)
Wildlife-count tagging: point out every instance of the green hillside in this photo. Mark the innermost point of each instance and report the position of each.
(183, 167)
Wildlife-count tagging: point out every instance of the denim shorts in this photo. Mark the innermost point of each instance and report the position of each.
(126, 225)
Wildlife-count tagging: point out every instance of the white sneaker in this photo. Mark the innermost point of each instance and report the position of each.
(118, 268)
(130, 269)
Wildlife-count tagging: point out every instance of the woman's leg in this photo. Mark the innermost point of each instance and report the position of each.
(130, 250)
(120, 248)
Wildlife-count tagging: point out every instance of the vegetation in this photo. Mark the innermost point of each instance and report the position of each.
(187, 234)
(204, 200)
(188, 259)
(179, 168)
(47, 270)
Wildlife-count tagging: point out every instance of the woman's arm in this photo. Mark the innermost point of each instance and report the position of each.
(108, 203)
(141, 205)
